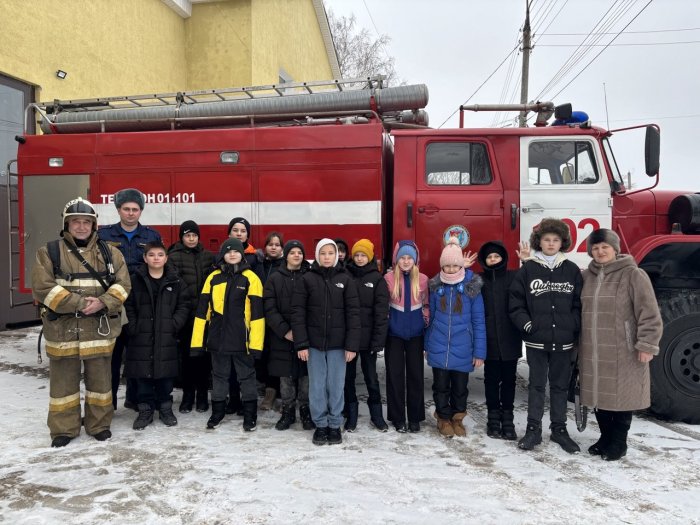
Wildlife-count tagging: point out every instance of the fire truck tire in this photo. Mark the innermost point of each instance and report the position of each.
(675, 372)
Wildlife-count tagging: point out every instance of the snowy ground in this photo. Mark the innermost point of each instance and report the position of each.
(188, 475)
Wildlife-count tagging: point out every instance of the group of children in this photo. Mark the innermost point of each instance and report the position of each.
(313, 322)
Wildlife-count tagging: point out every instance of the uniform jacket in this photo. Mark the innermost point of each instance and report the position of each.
(277, 298)
(620, 318)
(193, 265)
(156, 314)
(66, 332)
(326, 310)
(132, 250)
(231, 307)
(545, 303)
(374, 305)
(503, 340)
(452, 338)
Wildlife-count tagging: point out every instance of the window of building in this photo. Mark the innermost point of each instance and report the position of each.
(562, 162)
(457, 163)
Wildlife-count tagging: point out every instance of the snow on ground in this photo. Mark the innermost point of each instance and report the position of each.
(186, 474)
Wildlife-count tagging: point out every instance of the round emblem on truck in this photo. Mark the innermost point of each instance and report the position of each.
(459, 231)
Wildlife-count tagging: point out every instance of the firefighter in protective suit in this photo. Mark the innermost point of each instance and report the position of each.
(81, 284)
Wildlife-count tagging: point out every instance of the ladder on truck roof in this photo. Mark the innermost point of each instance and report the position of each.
(341, 101)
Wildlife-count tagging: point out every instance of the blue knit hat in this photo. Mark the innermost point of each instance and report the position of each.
(407, 249)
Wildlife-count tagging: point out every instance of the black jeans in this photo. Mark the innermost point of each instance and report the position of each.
(117, 355)
(450, 392)
(195, 371)
(404, 379)
(223, 366)
(153, 392)
(368, 363)
(499, 383)
(556, 366)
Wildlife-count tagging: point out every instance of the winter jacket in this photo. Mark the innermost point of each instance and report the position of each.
(503, 340)
(326, 310)
(231, 305)
(270, 266)
(132, 250)
(277, 299)
(620, 318)
(454, 338)
(408, 315)
(374, 305)
(66, 332)
(193, 265)
(156, 313)
(545, 303)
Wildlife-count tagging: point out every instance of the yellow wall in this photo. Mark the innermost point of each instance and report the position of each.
(123, 47)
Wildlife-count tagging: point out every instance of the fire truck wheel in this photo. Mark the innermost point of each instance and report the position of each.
(675, 372)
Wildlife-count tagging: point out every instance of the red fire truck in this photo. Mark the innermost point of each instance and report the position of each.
(321, 159)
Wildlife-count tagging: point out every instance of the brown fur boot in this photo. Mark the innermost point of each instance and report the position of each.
(445, 427)
(458, 425)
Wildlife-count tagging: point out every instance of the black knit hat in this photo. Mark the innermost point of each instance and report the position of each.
(342, 245)
(293, 244)
(550, 225)
(189, 227)
(603, 235)
(231, 244)
(129, 195)
(242, 221)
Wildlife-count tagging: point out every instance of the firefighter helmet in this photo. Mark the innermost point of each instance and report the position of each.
(79, 207)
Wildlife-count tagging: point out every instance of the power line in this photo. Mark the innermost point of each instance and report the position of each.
(623, 44)
(537, 37)
(627, 33)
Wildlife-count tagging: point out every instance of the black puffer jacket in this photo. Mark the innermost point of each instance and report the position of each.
(326, 310)
(374, 305)
(277, 299)
(153, 330)
(270, 266)
(194, 266)
(545, 303)
(503, 340)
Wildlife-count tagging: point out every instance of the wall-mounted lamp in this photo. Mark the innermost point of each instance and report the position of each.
(61, 74)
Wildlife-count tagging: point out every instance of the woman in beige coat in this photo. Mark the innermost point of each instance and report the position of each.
(620, 334)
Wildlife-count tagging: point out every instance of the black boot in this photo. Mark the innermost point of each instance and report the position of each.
(202, 400)
(604, 419)
(320, 436)
(507, 425)
(234, 405)
(218, 410)
(250, 415)
(60, 441)
(351, 410)
(532, 437)
(165, 413)
(619, 429)
(334, 436)
(376, 417)
(288, 418)
(305, 416)
(493, 424)
(561, 437)
(187, 402)
(144, 418)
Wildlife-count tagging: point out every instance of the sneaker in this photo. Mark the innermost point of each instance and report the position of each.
(401, 427)
(334, 436)
(250, 425)
(103, 435)
(532, 438)
(561, 437)
(320, 436)
(60, 441)
(413, 427)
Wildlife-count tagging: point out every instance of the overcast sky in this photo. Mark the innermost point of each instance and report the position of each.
(454, 45)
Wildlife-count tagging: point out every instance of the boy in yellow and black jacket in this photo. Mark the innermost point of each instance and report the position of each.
(231, 305)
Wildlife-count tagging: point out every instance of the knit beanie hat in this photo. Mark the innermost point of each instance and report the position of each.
(603, 235)
(231, 244)
(326, 242)
(408, 248)
(129, 195)
(550, 225)
(293, 244)
(189, 227)
(452, 253)
(365, 246)
(341, 244)
(242, 221)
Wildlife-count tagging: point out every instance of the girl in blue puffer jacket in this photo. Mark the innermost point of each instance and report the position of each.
(455, 341)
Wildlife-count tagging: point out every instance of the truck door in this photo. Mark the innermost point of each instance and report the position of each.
(564, 178)
(457, 194)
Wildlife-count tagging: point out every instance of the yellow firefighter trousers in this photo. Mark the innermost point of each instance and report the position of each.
(64, 403)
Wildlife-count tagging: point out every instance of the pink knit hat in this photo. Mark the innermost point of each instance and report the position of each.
(452, 253)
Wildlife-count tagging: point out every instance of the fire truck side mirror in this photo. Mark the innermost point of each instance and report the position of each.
(652, 148)
(563, 112)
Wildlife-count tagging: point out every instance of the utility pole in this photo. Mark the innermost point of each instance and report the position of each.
(527, 47)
